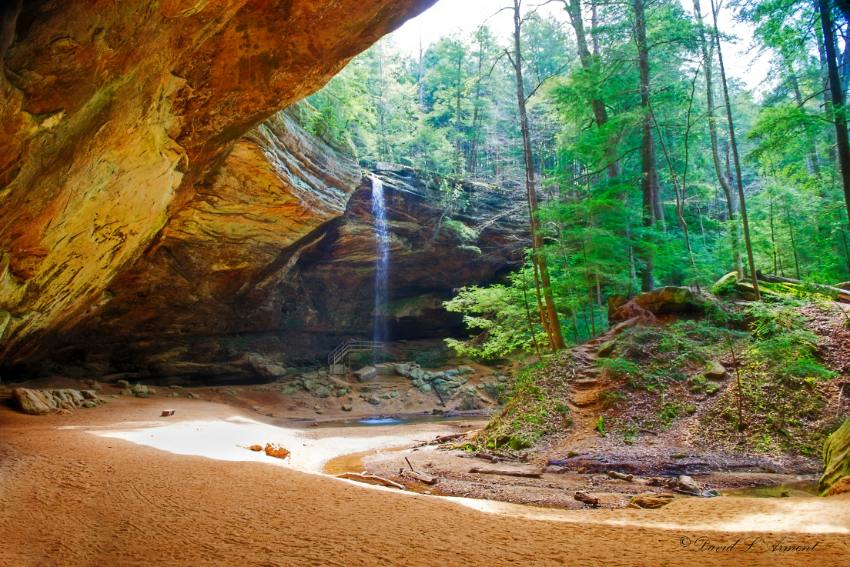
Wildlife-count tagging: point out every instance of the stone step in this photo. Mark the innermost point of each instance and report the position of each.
(583, 400)
(584, 384)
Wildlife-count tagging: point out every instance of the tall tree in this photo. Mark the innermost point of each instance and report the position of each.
(708, 65)
(552, 321)
(838, 99)
(736, 158)
(649, 174)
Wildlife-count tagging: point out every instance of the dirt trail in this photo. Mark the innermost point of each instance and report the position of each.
(68, 497)
(588, 384)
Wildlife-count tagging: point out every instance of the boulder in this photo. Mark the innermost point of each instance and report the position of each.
(34, 402)
(836, 456)
(725, 284)
(687, 485)
(262, 366)
(371, 372)
(661, 301)
(650, 500)
(714, 371)
(40, 402)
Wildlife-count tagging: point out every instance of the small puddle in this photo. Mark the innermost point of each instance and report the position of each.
(378, 420)
(347, 463)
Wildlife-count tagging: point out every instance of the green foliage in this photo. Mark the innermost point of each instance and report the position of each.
(783, 344)
(538, 406)
(505, 323)
(600, 426)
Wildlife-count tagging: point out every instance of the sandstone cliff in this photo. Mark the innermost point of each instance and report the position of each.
(116, 118)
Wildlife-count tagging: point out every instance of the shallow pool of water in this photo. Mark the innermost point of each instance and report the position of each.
(802, 488)
(379, 420)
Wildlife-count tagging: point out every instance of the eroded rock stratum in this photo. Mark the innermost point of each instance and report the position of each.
(115, 120)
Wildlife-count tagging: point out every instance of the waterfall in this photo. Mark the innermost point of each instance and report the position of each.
(380, 332)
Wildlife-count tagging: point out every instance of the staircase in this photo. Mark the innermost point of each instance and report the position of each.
(339, 358)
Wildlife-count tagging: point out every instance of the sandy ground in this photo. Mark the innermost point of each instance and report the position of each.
(71, 494)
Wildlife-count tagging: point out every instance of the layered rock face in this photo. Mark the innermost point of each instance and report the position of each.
(275, 264)
(440, 239)
(182, 309)
(836, 455)
(116, 119)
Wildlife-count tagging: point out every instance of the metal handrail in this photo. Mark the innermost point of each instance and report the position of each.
(347, 347)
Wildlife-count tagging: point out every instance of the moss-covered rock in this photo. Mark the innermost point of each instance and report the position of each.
(836, 456)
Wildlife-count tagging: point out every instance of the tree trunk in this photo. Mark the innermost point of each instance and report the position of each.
(793, 243)
(812, 157)
(458, 119)
(837, 95)
(712, 134)
(827, 97)
(536, 233)
(737, 160)
(649, 176)
(476, 114)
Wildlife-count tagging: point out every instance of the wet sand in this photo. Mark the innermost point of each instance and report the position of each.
(72, 497)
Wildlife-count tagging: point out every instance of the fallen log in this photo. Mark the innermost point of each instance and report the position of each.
(371, 479)
(440, 439)
(522, 473)
(621, 476)
(826, 288)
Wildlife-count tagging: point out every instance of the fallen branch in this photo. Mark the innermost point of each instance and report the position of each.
(371, 479)
(440, 439)
(486, 457)
(424, 478)
(507, 472)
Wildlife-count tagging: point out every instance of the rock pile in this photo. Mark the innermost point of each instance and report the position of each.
(445, 382)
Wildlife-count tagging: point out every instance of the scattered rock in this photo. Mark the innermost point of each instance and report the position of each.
(256, 448)
(276, 451)
(141, 391)
(585, 498)
(193, 396)
(686, 485)
(167, 413)
(650, 500)
(123, 384)
(346, 407)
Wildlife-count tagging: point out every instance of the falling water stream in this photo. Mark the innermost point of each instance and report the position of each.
(382, 242)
